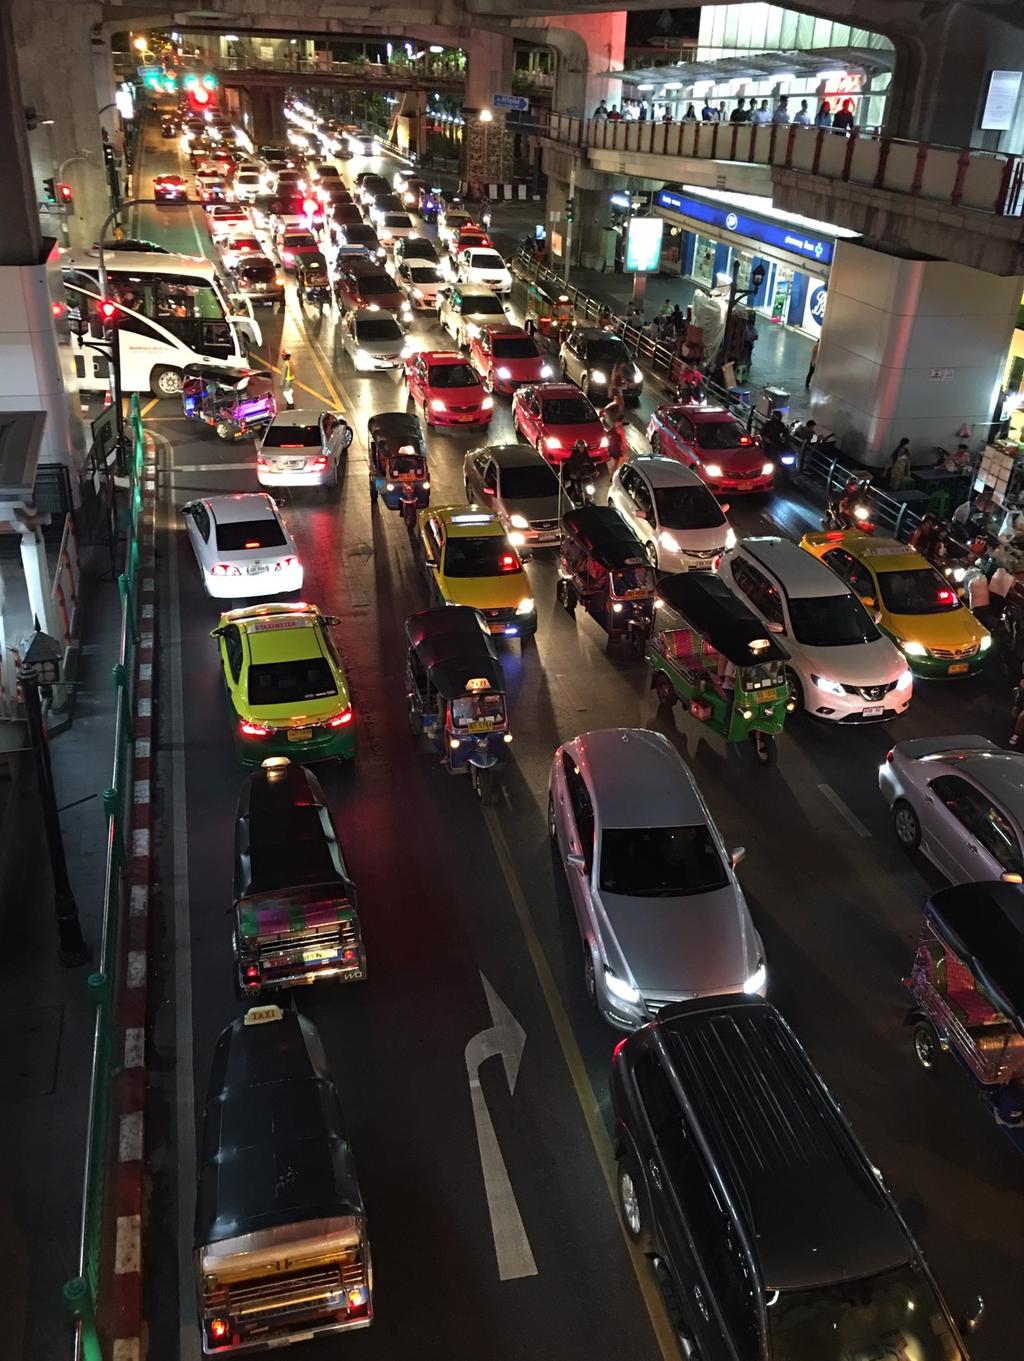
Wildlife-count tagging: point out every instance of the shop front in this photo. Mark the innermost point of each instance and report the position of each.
(710, 234)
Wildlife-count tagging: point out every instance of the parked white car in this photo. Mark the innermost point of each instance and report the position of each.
(485, 267)
(242, 546)
(672, 513)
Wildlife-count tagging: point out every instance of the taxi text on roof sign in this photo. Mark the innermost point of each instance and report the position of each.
(261, 1015)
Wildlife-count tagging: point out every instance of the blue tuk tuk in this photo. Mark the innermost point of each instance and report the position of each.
(456, 693)
(399, 474)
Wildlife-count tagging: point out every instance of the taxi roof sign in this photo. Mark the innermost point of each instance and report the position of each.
(261, 1015)
(478, 683)
(886, 548)
(472, 519)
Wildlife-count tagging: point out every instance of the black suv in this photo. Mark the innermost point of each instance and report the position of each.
(588, 356)
(739, 1175)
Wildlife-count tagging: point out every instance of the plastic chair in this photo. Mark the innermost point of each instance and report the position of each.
(938, 504)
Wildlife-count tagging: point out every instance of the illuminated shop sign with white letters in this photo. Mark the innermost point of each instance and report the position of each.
(782, 235)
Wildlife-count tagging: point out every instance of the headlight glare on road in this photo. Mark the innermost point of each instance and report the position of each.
(618, 987)
(913, 649)
(755, 983)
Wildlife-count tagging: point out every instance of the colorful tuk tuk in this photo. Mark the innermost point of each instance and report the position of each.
(294, 900)
(720, 660)
(398, 463)
(967, 983)
(548, 309)
(280, 1243)
(234, 402)
(456, 692)
(603, 567)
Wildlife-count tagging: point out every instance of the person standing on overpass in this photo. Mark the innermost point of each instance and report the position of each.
(601, 112)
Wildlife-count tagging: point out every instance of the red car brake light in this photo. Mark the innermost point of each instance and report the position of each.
(339, 720)
(248, 729)
(320, 463)
(508, 562)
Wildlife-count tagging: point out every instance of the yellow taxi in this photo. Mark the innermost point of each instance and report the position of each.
(285, 683)
(919, 610)
(468, 560)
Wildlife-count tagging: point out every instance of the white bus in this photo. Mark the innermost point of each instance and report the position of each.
(176, 310)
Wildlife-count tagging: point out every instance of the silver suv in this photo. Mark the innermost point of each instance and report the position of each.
(673, 514)
(660, 911)
(465, 308)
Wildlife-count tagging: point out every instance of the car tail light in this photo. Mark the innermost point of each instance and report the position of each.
(745, 439)
(619, 1048)
(340, 720)
(320, 463)
(251, 973)
(508, 562)
(946, 596)
(889, 757)
(252, 543)
(834, 535)
(224, 569)
(218, 1329)
(262, 462)
(248, 729)
(282, 563)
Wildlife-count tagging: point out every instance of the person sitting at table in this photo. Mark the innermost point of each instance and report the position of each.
(958, 460)
(974, 516)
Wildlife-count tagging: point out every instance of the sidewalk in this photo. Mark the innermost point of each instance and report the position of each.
(46, 1045)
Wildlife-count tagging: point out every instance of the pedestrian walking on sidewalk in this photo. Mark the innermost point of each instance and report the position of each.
(678, 320)
(812, 365)
(287, 380)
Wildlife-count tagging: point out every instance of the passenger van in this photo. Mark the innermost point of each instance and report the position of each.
(774, 1236)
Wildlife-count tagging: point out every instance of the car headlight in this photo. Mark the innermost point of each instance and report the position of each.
(487, 403)
(407, 350)
(363, 356)
(668, 541)
(637, 375)
(526, 605)
(713, 469)
(418, 293)
(546, 371)
(604, 442)
(906, 680)
(985, 643)
(755, 983)
(914, 649)
(552, 442)
(436, 404)
(519, 522)
(598, 376)
(516, 539)
(830, 687)
(767, 469)
(730, 537)
(618, 987)
(472, 329)
(504, 374)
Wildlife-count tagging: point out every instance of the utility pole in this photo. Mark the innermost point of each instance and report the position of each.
(570, 214)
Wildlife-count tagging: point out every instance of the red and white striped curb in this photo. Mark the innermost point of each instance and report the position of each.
(125, 1320)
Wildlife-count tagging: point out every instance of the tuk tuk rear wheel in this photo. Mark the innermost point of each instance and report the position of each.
(567, 597)
(926, 1044)
(665, 690)
(764, 748)
(224, 430)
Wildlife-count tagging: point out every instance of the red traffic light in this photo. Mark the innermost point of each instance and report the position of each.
(199, 95)
(108, 310)
(57, 310)
(64, 193)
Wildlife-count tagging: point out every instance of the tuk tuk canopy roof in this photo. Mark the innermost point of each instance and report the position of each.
(225, 377)
(984, 925)
(604, 535)
(396, 428)
(453, 646)
(284, 838)
(705, 603)
(273, 1149)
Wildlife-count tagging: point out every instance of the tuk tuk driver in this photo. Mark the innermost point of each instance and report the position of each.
(563, 313)
(726, 683)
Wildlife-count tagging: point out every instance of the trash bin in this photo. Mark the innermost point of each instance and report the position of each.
(772, 399)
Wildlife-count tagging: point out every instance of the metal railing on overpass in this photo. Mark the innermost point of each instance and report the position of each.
(965, 177)
(383, 74)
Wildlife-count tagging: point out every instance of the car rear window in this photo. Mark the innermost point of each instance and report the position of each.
(257, 270)
(660, 862)
(361, 234)
(417, 248)
(291, 682)
(397, 220)
(240, 534)
(520, 348)
(292, 437)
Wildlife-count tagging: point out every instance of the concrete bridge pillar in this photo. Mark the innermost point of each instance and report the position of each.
(486, 143)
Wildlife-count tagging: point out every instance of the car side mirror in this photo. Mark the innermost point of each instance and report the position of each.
(330, 620)
(576, 862)
(868, 601)
(876, 616)
(775, 627)
(736, 855)
(970, 1320)
(217, 633)
(187, 508)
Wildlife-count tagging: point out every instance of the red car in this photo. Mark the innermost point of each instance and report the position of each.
(470, 237)
(169, 189)
(449, 390)
(362, 283)
(714, 445)
(507, 357)
(554, 416)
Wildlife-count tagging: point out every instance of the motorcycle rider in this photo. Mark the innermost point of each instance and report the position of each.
(690, 388)
(775, 436)
(577, 470)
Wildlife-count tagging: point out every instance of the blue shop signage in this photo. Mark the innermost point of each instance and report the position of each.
(782, 235)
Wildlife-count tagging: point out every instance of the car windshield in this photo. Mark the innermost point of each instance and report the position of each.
(831, 621)
(514, 348)
(378, 328)
(721, 435)
(291, 437)
(291, 682)
(486, 556)
(293, 240)
(687, 508)
(425, 274)
(421, 250)
(920, 591)
(487, 305)
(375, 285)
(478, 711)
(608, 350)
(568, 411)
(250, 534)
(453, 376)
(660, 862)
(894, 1314)
(521, 484)
(397, 220)
(486, 259)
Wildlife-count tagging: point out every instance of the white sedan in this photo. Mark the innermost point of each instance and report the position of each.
(420, 281)
(239, 247)
(225, 220)
(484, 267)
(242, 546)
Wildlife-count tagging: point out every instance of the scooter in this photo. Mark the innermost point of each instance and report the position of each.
(845, 512)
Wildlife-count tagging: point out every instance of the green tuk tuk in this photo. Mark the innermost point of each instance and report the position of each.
(720, 660)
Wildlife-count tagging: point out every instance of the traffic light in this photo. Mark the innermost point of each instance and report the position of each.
(50, 190)
(65, 194)
(209, 81)
(108, 311)
(570, 210)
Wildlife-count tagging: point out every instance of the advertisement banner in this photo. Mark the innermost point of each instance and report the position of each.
(643, 245)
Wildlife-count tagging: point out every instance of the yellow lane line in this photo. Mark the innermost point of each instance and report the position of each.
(320, 397)
(149, 406)
(323, 368)
(649, 1291)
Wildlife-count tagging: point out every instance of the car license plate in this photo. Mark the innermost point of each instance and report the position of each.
(299, 734)
(874, 711)
(256, 568)
(744, 486)
(318, 956)
(466, 418)
(293, 463)
(482, 725)
(958, 668)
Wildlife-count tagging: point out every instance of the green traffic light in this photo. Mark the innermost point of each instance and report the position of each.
(190, 81)
(210, 80)
(152, 82)
(170, 84)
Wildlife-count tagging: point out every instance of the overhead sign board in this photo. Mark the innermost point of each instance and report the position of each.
(782, 235)
(643, 244)
(1001, 100)
(518, 102)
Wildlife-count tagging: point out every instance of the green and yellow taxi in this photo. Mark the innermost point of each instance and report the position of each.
(918, 609)
(468, 560)
(286, 684)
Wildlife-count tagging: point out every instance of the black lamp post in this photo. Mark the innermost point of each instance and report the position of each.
(38, 669)
(735, 293)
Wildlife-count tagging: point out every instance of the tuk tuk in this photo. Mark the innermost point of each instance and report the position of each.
(398, 463)
(456, 692)
(280, 1243)
(967, 983)
(235, 402)
(548, 309)
(294, 902)
(603, 567)
(313, 281)
(711, 652)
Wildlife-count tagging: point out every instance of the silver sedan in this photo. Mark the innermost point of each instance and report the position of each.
(662, 916)
(302, 448)
(960, 801)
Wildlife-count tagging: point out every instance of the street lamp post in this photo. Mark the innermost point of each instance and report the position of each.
(39, 668)
(735, 293)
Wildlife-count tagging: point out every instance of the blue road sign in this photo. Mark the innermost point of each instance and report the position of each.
(517, 102)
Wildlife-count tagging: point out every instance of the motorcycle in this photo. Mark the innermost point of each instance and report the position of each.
(578, 487)
(849, 510)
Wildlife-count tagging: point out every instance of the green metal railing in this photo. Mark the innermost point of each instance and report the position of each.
(82, 1293)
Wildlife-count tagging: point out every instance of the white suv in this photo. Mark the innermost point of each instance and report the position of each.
(672, 513)
(841, 668)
